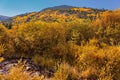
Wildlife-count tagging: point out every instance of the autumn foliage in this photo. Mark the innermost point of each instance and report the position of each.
(86, 49)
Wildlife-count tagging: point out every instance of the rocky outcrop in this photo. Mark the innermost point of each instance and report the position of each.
(33, 69)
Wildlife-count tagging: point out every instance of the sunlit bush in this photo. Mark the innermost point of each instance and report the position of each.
(107, 27)
(99, 63)
(66, 72)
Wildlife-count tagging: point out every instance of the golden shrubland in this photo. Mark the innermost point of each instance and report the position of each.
(81, 49)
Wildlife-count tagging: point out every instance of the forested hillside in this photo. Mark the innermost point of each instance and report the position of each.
(56, 14)
(72, 44)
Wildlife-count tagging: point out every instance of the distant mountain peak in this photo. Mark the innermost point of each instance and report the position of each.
(63, 6)
(60, 7)
(3, 17)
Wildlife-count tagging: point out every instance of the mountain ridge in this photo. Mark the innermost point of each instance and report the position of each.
(3, 17)
(56, 14)
(60, 7)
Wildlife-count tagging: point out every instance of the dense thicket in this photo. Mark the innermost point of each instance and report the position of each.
(74, 50)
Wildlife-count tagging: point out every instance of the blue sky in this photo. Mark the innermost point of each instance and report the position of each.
(15, 7)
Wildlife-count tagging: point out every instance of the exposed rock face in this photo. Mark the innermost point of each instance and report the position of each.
(33, 69)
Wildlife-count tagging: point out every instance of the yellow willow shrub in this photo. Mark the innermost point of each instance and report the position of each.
(18, 73)
(38, 37)
(44, 61)
(25, 37)
(2, 32)
(1, 59)
(66, 72)
(6, 39)
(3, 38)
(2, 50)
(99, 63)
(80, 30)
(107, 27)
(73, 53)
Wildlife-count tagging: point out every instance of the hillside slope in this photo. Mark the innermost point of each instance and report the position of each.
(3, 18)
(56, 14)
(59, 13)
(59, 45)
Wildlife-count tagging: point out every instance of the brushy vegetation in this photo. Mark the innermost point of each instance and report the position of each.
(79, 49)
(19, 73)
